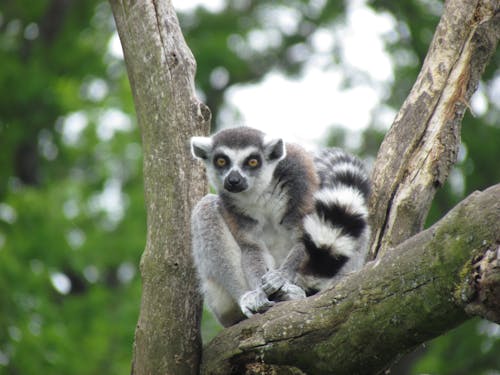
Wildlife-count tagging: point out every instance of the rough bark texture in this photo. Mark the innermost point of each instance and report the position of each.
(422, 144)
(161, 70)
(408, 296)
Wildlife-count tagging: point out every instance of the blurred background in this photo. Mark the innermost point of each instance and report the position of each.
(72, 217)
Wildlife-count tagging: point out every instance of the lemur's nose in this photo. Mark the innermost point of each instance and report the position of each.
(234, 179)
(235, 182)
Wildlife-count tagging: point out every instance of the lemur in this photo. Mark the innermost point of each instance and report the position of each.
(284, 224)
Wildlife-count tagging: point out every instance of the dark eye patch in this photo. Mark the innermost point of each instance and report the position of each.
(247, 164)
(221, 161)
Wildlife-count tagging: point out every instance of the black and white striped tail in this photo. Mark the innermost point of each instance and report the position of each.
(336, 233)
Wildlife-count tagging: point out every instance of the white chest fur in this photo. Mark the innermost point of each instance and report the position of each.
(268, 210)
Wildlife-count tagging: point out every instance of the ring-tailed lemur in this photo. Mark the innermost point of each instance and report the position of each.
(284, 223)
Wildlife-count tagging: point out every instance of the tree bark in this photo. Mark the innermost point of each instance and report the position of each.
(422, 145)
(161, 71)
(420, 290)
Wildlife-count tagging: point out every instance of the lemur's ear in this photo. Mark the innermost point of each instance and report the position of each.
(274, 148)
(201, 147)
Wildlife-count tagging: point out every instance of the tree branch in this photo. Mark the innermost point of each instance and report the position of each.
(422, 144)
(402, 299)
(161, 71)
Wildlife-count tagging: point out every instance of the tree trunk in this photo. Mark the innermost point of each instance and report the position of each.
(161, 71)
(422, 145)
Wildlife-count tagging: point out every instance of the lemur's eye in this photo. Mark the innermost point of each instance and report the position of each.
(253, 163)
(220, 162)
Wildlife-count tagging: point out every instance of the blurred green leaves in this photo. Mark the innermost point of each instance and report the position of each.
(72, 222)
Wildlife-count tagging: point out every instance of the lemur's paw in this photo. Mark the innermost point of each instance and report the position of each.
(254, 301)
(272, 282)
(290, 292)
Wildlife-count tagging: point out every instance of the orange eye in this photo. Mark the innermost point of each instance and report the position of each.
(253, 163)
(221, 162)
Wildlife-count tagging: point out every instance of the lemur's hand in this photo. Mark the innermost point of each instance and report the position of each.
(276, 285)
(272, 282)
(254, 301)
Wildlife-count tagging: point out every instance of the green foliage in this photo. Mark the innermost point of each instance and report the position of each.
(471, 349)
(72, 218)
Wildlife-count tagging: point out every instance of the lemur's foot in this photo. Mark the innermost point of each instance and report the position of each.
(254, 301)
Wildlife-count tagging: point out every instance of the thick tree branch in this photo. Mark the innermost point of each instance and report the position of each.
(161, 70)
(402, 299)
(422, 144)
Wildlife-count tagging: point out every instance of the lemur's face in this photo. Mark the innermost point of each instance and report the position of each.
(239, 160)
(238, 170)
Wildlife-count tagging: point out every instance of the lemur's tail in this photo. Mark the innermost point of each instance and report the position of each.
(337, 230)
